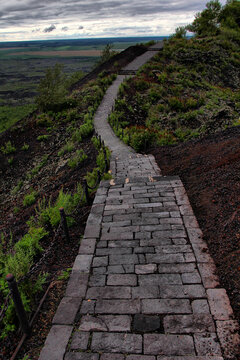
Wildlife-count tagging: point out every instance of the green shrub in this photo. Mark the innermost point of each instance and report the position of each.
(78, 159)
(140, 138)
(42, 137)
(69, 147)
(25, 147)
(30, 198)
(8, 148)
(44, 120)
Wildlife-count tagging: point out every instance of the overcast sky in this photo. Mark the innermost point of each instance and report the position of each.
(62, 19)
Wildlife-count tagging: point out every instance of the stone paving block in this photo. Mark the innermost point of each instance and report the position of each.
(200, 307)
(208, 274)
(185, 324)
(145, 269)
(113, 251)
(118, 306)
(201, 253)
(172, 221)
(180, 241)
(190, 221)
(160, 227)
(165, 258)
(195, 291)
(140, 357)
(176, 268)
(159, 279)
(190, 358)
(112, 357)
(123, 244)
(173, 249)
(67, 310)
(219, 304)
(228, 333)
(186, 210)
(97, 280)
(77, 284)
(117, 322)
(146, 323)
(100, 261)
(122, 279)
(123, 259)
(189, 257)
(116, 342)
(207, 344)
(129, 268)
(87, 246)
(80, 356)
(155, 242)
(166, 306)
(82, 263)
(115, 269)
(109, 292)
(90, 323)
(159, 344)
(92, 231)
(143, 235)
(145, 292)
(117, 236)
(191, 278)
(102, 270)
(144, 250)
(88, 307)
(56, 342)
(80, 340)
(170, 233)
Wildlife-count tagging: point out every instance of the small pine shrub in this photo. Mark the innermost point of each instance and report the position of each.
(78, 159)
(8, 148)
(30, 199)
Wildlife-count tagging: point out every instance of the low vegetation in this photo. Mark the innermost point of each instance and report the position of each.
(189, 89)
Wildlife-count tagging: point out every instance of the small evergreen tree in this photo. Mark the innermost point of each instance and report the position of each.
(107, 53)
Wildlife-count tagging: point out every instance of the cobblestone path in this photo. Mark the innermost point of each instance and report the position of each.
(143, 286)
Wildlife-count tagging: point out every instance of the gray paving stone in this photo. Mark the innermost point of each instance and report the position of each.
(122, 244)
(92, 231)
(123, 259)
(56, 342)
(115, 269)
(118, 306)
(109, 292)
(200, 307)
(97, 280)
(113, 251)
(112, 357)
(67, 310)
(145, 269)
(80, 341)
(145, 292)
(190, 358)
(88, 307)
(117, 342)
(87, 246)
(228, 333)
(117, 322)
(159, 344)
(140, 357)
(146, 323)
(77, 284)
(207, 344)
(191, 278)
(90, 323)
(122, 279)
(102, 270)
(80, 356)
(173, 249)
(166, 306)
(185, 324)
(159, 279)
(219, 304)
(165, 258)
(208, 273)
(176, 268)
(82, 263)
(100, 261)
(144, 250)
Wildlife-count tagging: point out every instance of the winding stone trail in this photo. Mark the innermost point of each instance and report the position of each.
(143, 286)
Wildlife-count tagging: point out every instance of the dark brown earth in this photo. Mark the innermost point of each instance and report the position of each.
(210, 171)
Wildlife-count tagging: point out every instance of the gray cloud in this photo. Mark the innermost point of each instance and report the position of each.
(80, 27)
(32, 12)
(65, 28)
(49, 29)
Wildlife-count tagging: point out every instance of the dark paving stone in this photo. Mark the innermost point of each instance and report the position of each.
(144, 323)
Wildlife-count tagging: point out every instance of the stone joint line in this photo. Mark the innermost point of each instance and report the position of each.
(143, 285)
